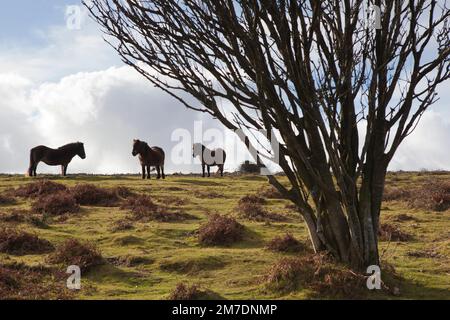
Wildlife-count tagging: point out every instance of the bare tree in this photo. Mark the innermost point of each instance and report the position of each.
(341, 95)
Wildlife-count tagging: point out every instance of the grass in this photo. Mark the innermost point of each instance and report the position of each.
(148, 259)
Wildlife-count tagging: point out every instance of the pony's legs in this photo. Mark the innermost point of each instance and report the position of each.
(209, 173)
(65, 169)
(162, 171)
(158, 170)
(143, 172)
(221, 170)
(203, 170)
(148, 172)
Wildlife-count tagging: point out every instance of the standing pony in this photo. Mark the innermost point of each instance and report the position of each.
(149, 157)
(209, 158)
(55, 157)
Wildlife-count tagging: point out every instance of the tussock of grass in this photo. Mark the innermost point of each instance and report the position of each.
(433, 195)
(252, 199)
(56, 204)
(142, 208)
(256, 212)
(21, 243)
(122, 225)
(220, 230)
(6, 200)
(318, 273)
(39, 188)
(270, 192)
(389, 232)
(21, 282)
(186, 292)
(286, 243)
(91, 195)
(73, 252)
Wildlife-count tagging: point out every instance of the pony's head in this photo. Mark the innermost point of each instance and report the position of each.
(197, 149)
(80, 150)
(137, 147)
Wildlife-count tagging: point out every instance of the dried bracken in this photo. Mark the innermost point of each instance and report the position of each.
(39, 188)
(286, 243)
(389, 232)
(220, 230)
(20, 243)
(91, 195)
(73, 252)
(56, 204)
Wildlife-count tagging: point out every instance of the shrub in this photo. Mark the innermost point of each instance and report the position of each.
(287, 243)
(186, 292)
(18, 281)
(122, 225)
(256, 212)
(13, 216)
(220, 230)
(91, 195)
(395, 193)
(389, 232)
(20, 243)
(6, 200)
(56, 204)
(252, 198)
(434, 195)
(73, 252)
(288, 274)
(318, 273)
(270, 193)
(39, 188)
(144, 209)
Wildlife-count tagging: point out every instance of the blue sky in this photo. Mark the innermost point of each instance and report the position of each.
(59, 85)
(19, 20)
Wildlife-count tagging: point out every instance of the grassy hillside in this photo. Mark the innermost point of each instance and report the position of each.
(146, 259)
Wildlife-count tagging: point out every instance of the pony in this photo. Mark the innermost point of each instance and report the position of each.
(55, 157)
(148, 157)
(209, 158)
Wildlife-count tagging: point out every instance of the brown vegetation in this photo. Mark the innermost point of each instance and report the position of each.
(73, 252)
(91, 195)
(270, 193)
(253, 199)
(432, 195)
(389, 232)
(286, 243)
(318, 273)
(186, 292)
(20, 243)
(21, 282)
(56, 204)
(6, 200)
(220, 230)
(256, 212)
(38, 188)
(144, 209)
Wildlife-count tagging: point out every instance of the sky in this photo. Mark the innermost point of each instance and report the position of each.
(60, 84)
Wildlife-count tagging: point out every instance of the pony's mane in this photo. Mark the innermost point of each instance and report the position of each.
(70, 146)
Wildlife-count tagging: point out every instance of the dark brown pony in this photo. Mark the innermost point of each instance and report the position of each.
(55, 157)
(149, 157)
(209, 158)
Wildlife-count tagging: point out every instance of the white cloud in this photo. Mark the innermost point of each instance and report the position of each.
(75, 88)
